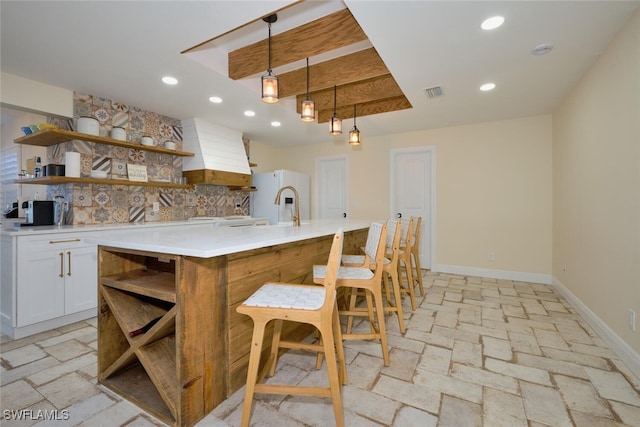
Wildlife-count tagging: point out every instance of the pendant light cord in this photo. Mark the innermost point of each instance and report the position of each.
(334, 99)
(307, 79)
(354, 116)
(269, 70)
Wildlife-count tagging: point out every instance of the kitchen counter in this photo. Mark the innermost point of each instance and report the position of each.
(205, 241)
(11, 227)
(188, 281)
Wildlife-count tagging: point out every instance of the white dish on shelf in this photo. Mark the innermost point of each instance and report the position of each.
(98, 174)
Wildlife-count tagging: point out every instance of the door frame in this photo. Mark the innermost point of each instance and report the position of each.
(316, 184)
(432, 200)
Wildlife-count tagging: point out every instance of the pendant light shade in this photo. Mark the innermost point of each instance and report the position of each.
(354, 134)
(269, 81)
(308, 107)
(336, 122)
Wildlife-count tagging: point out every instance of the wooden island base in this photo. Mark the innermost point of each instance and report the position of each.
(196, 353)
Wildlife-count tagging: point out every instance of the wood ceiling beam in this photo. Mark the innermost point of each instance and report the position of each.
(361, 65)
(325, 34)
(354, 93)
(366, 109)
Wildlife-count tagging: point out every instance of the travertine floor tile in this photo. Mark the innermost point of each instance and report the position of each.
(23, 355)
(412, 417)
(544, 405)
(502, 409)
(458, 412)
(613, 386)
(477, 352)
(579, 395)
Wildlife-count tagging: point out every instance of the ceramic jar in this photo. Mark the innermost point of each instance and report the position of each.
(88, 125)
(146, 140)
(119, 133)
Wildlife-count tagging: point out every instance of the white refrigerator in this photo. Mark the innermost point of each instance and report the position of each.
(267, 186)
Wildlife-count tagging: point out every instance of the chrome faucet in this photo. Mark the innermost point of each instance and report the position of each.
(294, 216)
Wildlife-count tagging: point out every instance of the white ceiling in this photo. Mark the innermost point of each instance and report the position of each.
(120, 50)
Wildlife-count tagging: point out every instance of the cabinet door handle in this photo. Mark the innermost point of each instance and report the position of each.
(69, 255)
(52, 242)
(61, 264)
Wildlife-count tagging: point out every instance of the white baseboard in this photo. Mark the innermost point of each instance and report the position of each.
(494, 274)
(627, 354)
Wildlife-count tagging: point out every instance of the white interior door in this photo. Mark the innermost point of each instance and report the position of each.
(412, 192)
(331, 187)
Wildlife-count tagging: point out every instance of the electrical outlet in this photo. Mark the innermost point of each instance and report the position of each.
(564, 268)
(156, 206)
(491, 257)
(632, 320)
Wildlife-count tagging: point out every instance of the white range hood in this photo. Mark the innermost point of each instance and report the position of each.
(220, 157)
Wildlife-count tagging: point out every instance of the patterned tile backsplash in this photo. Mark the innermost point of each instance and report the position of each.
(101, 204)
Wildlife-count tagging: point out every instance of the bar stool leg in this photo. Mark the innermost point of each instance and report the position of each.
(327, 332)
(252, 372)
(275, 345)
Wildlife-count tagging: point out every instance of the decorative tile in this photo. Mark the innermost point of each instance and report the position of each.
(166, 199)
(102, 199)
(137, 156)
(151, 216)
(165, 213)
(136, 214)
(101, 163)
(136, 199)
(120, 215)
(86, 161)
(118, 168)
(101, 215)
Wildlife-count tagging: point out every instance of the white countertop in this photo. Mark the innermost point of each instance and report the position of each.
(10, 228)
(205, 240)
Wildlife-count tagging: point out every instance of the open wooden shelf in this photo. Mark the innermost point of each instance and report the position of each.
(53, 180)
(159, 360)
(47, 137)
(135, 383)
(155, 284)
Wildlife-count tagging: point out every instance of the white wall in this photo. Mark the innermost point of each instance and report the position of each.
(596, 175)
(493, 189)
(35, 96)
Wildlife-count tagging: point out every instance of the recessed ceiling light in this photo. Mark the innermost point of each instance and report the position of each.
(492, 23)
(541, 49)
(487, 87)
(170, 80)
(215, 99)
(275, 124)
(249, 113)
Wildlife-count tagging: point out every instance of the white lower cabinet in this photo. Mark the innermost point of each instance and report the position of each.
(55, 282)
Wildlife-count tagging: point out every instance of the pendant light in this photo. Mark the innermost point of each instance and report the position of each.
(354, 134)
(269, 81)
(308, 108)
(336, 122)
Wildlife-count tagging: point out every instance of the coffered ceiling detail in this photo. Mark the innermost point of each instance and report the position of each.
(339, 54)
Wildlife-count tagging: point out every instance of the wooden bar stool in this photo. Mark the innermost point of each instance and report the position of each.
(314, 305)
(404, 261)
(390, 269)
(371, 282)
(415, 255)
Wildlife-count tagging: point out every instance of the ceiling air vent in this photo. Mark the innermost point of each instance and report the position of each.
(434, 92)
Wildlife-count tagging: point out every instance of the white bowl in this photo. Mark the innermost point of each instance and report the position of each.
(170, 145)
(98, 174)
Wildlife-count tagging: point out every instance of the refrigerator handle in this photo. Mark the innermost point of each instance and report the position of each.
(344, 214)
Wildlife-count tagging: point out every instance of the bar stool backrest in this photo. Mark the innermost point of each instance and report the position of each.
(373, 239)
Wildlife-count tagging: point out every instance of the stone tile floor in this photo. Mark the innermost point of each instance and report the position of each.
(477, 352)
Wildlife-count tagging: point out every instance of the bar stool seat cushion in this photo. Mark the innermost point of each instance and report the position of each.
(319, 272)
(287, 296)
(358, 259)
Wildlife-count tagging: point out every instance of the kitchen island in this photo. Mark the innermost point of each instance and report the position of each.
(187, 283)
